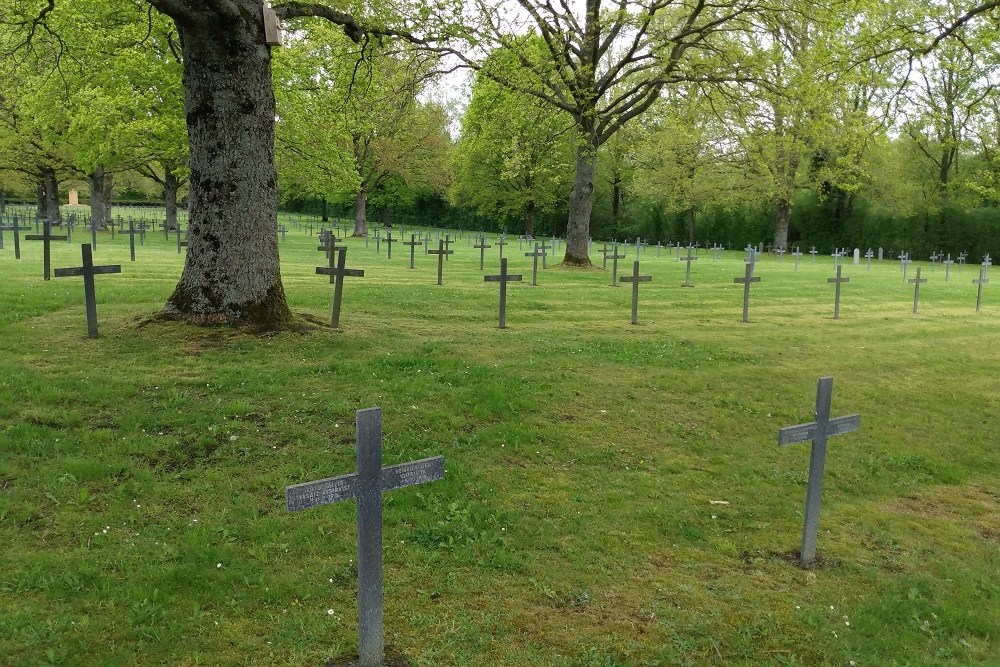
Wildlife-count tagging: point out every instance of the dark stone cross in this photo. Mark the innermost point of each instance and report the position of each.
(367, 485)
(15, 227)
(614, 263)
(501, 242)
(413, 243)
(745, 281)
(337, 273)
(836, 302)
(181, 243)
(283, 229)
(132, 231)
(441, 253)
(481, 246)
(88, 271)
(447, 246)
(981, 280)
(534, 265)
(817, 431)
(503, 279)
(46, 238)
(635, 279)
(604, 253)
(388, 244)
(916, 289)
(687, 271)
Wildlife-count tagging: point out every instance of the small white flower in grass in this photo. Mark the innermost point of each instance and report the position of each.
(218, 565)
(329, 612)
(232, 438)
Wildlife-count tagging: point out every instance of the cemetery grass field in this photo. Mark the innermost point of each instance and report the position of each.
(614, 494)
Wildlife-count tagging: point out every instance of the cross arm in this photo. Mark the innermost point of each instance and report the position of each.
(321, 492)
(81, 271)
(410, 474)
(790, 435)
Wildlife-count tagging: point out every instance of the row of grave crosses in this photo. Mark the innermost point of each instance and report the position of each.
(371, 480)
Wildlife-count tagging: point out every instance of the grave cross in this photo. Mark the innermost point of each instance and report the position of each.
(481, 245)
(817, 431)
(781, 254)
(47, 240)
(934, 259)
(441, 253)
(501, 242)
(836, 303)
(367, 485)
(868, 256)
(88, 271)
(614, 264)
(337, 273)
(947, 267)
(503, 279)
(538, 252)
(813, 253)
(916, 282)
(796, 255)
(15, 227)
(981, 280)
(283, 229)
(904, 262)
(544, 248)
(987, 263)
(180, 242)
(687, 271)
(413, 243)
(132, 231)
(635, 279)
(746, 280)
(447, 245)
(836, 256)
(604, 253)
(388, 244)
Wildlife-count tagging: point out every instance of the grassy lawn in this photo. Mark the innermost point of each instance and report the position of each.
(142, 474)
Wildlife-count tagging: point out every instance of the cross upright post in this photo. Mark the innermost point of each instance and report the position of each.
(337, 272)
(413, 243)
(614, 263)
(868, 257)
(817, 431)
(980, 281)
(747, 278)
(441, 253)
(46, 238)
(367, 485)
(635, 279)
(481, 246)
(132, 231)
(503, 278)
(88, 271)
(904, 261)
(797, 254)
(813, 252)
(501, 242)
(838, 280)
(687, 271)
(544, 247)
(916, 282)
(180, 242)
(388, 244)
(947, 267)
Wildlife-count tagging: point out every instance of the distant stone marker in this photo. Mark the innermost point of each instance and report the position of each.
(635, 279)
(687, 271)
(904, 263)
(813, 253)
(544, 248)
(781, 254)
(817, 431)
(46, 238)
(413, 243)
(337, 273)
(746, 280)
(441, 254)
(880, 255)
(836, 256)
(947, 267)
(367, 485)
(868, 256)
(88, 271)
(916, 282)
(388, 244)
(481, 246)
(797, 254)
(503, 278)
(501, 242)
(838, 280)
(980, 281)
(857, 256)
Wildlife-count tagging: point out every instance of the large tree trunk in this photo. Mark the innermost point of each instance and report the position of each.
(171, 185)
(99, 205)
(781, 224)
(529, 219)
(231, 272)
(49, 197)
(360, 215)
(581, 202)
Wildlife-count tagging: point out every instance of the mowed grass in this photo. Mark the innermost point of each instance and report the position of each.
(579, 524)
